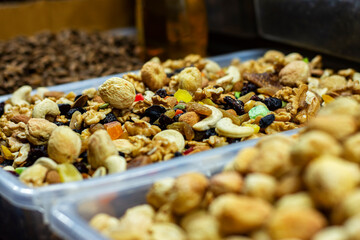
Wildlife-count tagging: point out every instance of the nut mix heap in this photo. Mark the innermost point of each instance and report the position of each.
(71, 55)
(304, 187)
(169, 109)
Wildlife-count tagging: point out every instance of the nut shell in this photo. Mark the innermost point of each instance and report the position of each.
(118, 92)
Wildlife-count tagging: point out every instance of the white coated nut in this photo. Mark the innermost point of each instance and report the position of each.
(23, 154)
(118, 92)
(172, 136)
(115, 164)
(100, 147)
(64, 145)
(20, 96)
(226, 128)
(210, 121)
(47, 162)
(190, 79)
(46, 109)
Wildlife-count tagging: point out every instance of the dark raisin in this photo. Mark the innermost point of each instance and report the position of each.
(178, 70)
(256, 98)
(77, 131)
(199, 135)
(233, 140)
(235, 104)
(2, 108)
(110, 117)
(248, 87)
(165, 120)
(272, 103)
(121, 154)
(7, 163)
(64, 108)
(84, 156)
(161, 92)
(77, 97)
(71, 112)
(61, 123)
(169, 75)
(81, 167)
(35, 153)
(154, 112)
(266, 121)
(177, 154)
(176, 117)
(210, 132)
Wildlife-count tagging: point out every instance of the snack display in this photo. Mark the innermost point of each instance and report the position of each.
(169, 109)
(48, 59)
(300, 187)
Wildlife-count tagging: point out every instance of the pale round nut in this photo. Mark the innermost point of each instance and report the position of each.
(172, 136)
(261, 186)
(153, 75)
(226, 182)
(332, 233)
(190, 79)
(64, 145)
(34, 175)
(115, 164)
(159, 192)
(118, 92)
(295, 73)
(160, 231)
(39, 130)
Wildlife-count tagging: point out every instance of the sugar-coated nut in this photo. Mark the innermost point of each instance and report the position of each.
(261, 186)
(100, 147)
(332, 233)
(103, 222)
(172, 136)
(333, 83)
(153, 75)
(329, 179)
(347, 208)
(190, 79)
(296, 200)
(21, 96)
(298, 223)
(188, 192)
(226, 182)
(352, 227)
(118, 92)
(46, 109)
(190, 118)
(351, 148)
(38, 130)
(295, 73)
(34, 175)
(200, 225)
(313, 144)
(160, 231)
(239, 214)
(341, 106)
(159, 192)
(115, 164)
(64, 145)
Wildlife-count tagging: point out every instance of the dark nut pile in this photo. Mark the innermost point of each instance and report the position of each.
(304, 187)
(168, 109)
(49, 59)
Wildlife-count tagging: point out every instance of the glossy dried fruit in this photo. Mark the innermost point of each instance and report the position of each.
(68, 173)
(266, 121)
(198, 108)
(272, 103)
(114, 129)
(154, 112)
(237, 105)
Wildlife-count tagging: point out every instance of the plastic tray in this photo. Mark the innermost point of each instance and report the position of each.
(70, 216)
(25, 210)
(330, 27)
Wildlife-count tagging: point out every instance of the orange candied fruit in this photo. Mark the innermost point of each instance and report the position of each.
(327, 98)
(114, 129)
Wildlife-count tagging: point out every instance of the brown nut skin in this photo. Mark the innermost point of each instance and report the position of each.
(118, 92)
(226, 182)
(188, 192)
(294, 74)
(190, 79)
(64, 145)
(38, 130)
(153, 75)
(239, 214)
(299, 223)
(100, 147)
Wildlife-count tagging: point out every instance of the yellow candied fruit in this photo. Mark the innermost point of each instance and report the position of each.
(254, 126)
(7, 153)
(183, 95)
(327, 98)
(68, 173)
(208, 102)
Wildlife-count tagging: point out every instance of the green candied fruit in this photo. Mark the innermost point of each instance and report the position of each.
(180, 106)
(306, 60)
(258, 111)
(103, 106)
(19, 170)
(237, 94)
(283, 104)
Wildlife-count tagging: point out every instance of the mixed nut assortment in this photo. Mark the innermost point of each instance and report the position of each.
(71, 55)
(301, 187)
(168, 109)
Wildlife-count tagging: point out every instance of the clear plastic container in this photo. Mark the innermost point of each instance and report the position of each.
(25, 210)
(70, 216)
(330, 27)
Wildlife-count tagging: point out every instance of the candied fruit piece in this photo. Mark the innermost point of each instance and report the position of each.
(68, 173)
(114, 129)
(139, 97)
(103, 106)
(258, 111)
(7, 153)
(178, 111)
(254, 126)
(183, 95)
(19, 170)
(327, 98)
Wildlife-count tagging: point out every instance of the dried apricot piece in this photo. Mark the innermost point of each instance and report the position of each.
(114, 129)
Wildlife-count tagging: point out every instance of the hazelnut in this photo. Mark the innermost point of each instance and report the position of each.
(34, 176)
(118, 92)
(296, 200)
(352, 227)
(153, 75)
(38, 130)
(226, 182)
(159, 192)
(273, 56)
(341, 106)
(261, 186)
(351, 149)
(293, 57)
(294, 74)
(64, 145)
(103, 222)
(347, 208)
(334, 233)
(190, 118)
(160, 231)
(190, 79)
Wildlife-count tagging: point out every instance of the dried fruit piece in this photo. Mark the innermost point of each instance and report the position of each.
(254, 126)
(139, 97)
(68, 173)
(327, 98)
(267, 120)
(183, 95)
(7, 153)
(258, 111)
(272, 103)
(198, 108)
(114, 129)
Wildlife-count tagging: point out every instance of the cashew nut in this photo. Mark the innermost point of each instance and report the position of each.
(38, 130)
(40, 91)
(226, 128)
(100, 172)
(210, 121)
(232, 74)
(115, 164)
(34, 175)
(172, 136)
(47, 162)
(46, 109)
(64, 145)
(20, 96)
(23, 154)
(100, 147)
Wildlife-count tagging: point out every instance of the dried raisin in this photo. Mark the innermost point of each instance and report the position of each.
(266, 121)
(2, 108)
(154, 112)
(35, 153)
(161, 92)
(81, 167)
(71, 112)
(110, 117)
(248, 87)
(237, 105)
(272, 103)
(64, 108)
